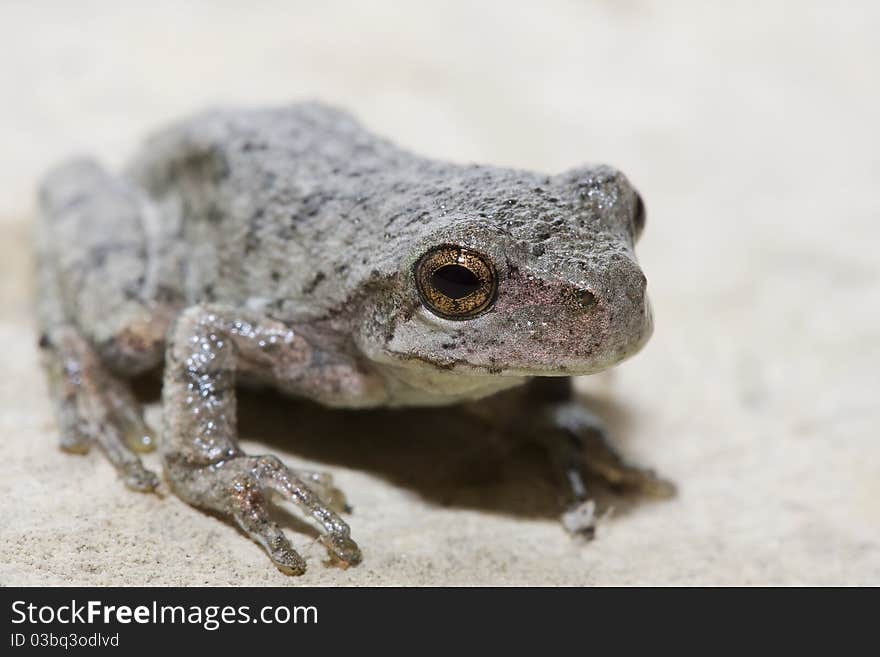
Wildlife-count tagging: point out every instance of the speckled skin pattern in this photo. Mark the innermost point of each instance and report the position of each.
(278, 246)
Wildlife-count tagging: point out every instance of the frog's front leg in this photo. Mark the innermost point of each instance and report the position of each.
(95, 406)
(579, 444)
(579, 449)
(547, 411)
(203, 460)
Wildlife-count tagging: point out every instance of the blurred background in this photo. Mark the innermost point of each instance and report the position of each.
(749, 128)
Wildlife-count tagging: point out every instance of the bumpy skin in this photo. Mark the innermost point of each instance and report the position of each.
(279, 246)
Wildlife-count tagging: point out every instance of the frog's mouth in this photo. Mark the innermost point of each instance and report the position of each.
(509, 359)
(528, 343)
(466, 369)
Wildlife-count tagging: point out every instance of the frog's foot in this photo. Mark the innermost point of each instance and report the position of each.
(240, 488)
(93, 406)
(579, 449)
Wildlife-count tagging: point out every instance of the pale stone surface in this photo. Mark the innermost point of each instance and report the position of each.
(753, 137)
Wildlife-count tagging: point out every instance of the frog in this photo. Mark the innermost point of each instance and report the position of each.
(291, 247)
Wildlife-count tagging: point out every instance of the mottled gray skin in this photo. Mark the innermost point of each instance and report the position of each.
(278, 246)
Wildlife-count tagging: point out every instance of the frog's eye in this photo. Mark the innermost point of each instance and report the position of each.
(639, 216)
(455, 283)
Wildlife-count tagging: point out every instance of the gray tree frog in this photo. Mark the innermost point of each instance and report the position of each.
(291, 247)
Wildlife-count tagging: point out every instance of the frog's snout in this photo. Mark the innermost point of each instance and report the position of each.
(638, 292)
(629, 317)
(620, 293)
(612, 317)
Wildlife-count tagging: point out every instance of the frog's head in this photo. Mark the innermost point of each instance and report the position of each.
(542, 281)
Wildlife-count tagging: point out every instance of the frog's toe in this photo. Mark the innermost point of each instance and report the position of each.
(128, 465)
(335, 533)
(137, 478)
(75, 434)
(127, 414)
(343, 549)
(597, 458)
(75, 438)
(288, 560)
(250, 510)
(322, 484)
(641, 480)
(580, 519)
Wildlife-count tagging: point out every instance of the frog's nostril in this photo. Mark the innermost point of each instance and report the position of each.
(586, 299)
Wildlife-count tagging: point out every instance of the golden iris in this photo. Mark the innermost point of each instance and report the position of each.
(456, 283)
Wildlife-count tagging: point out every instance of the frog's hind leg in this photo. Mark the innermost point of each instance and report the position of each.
(91, 259)
(580, 451)
(548, 412)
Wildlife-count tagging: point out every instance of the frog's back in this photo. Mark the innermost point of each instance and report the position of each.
(273, 205)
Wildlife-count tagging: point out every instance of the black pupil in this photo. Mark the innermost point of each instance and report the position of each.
(455, 281)
(640, 213)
